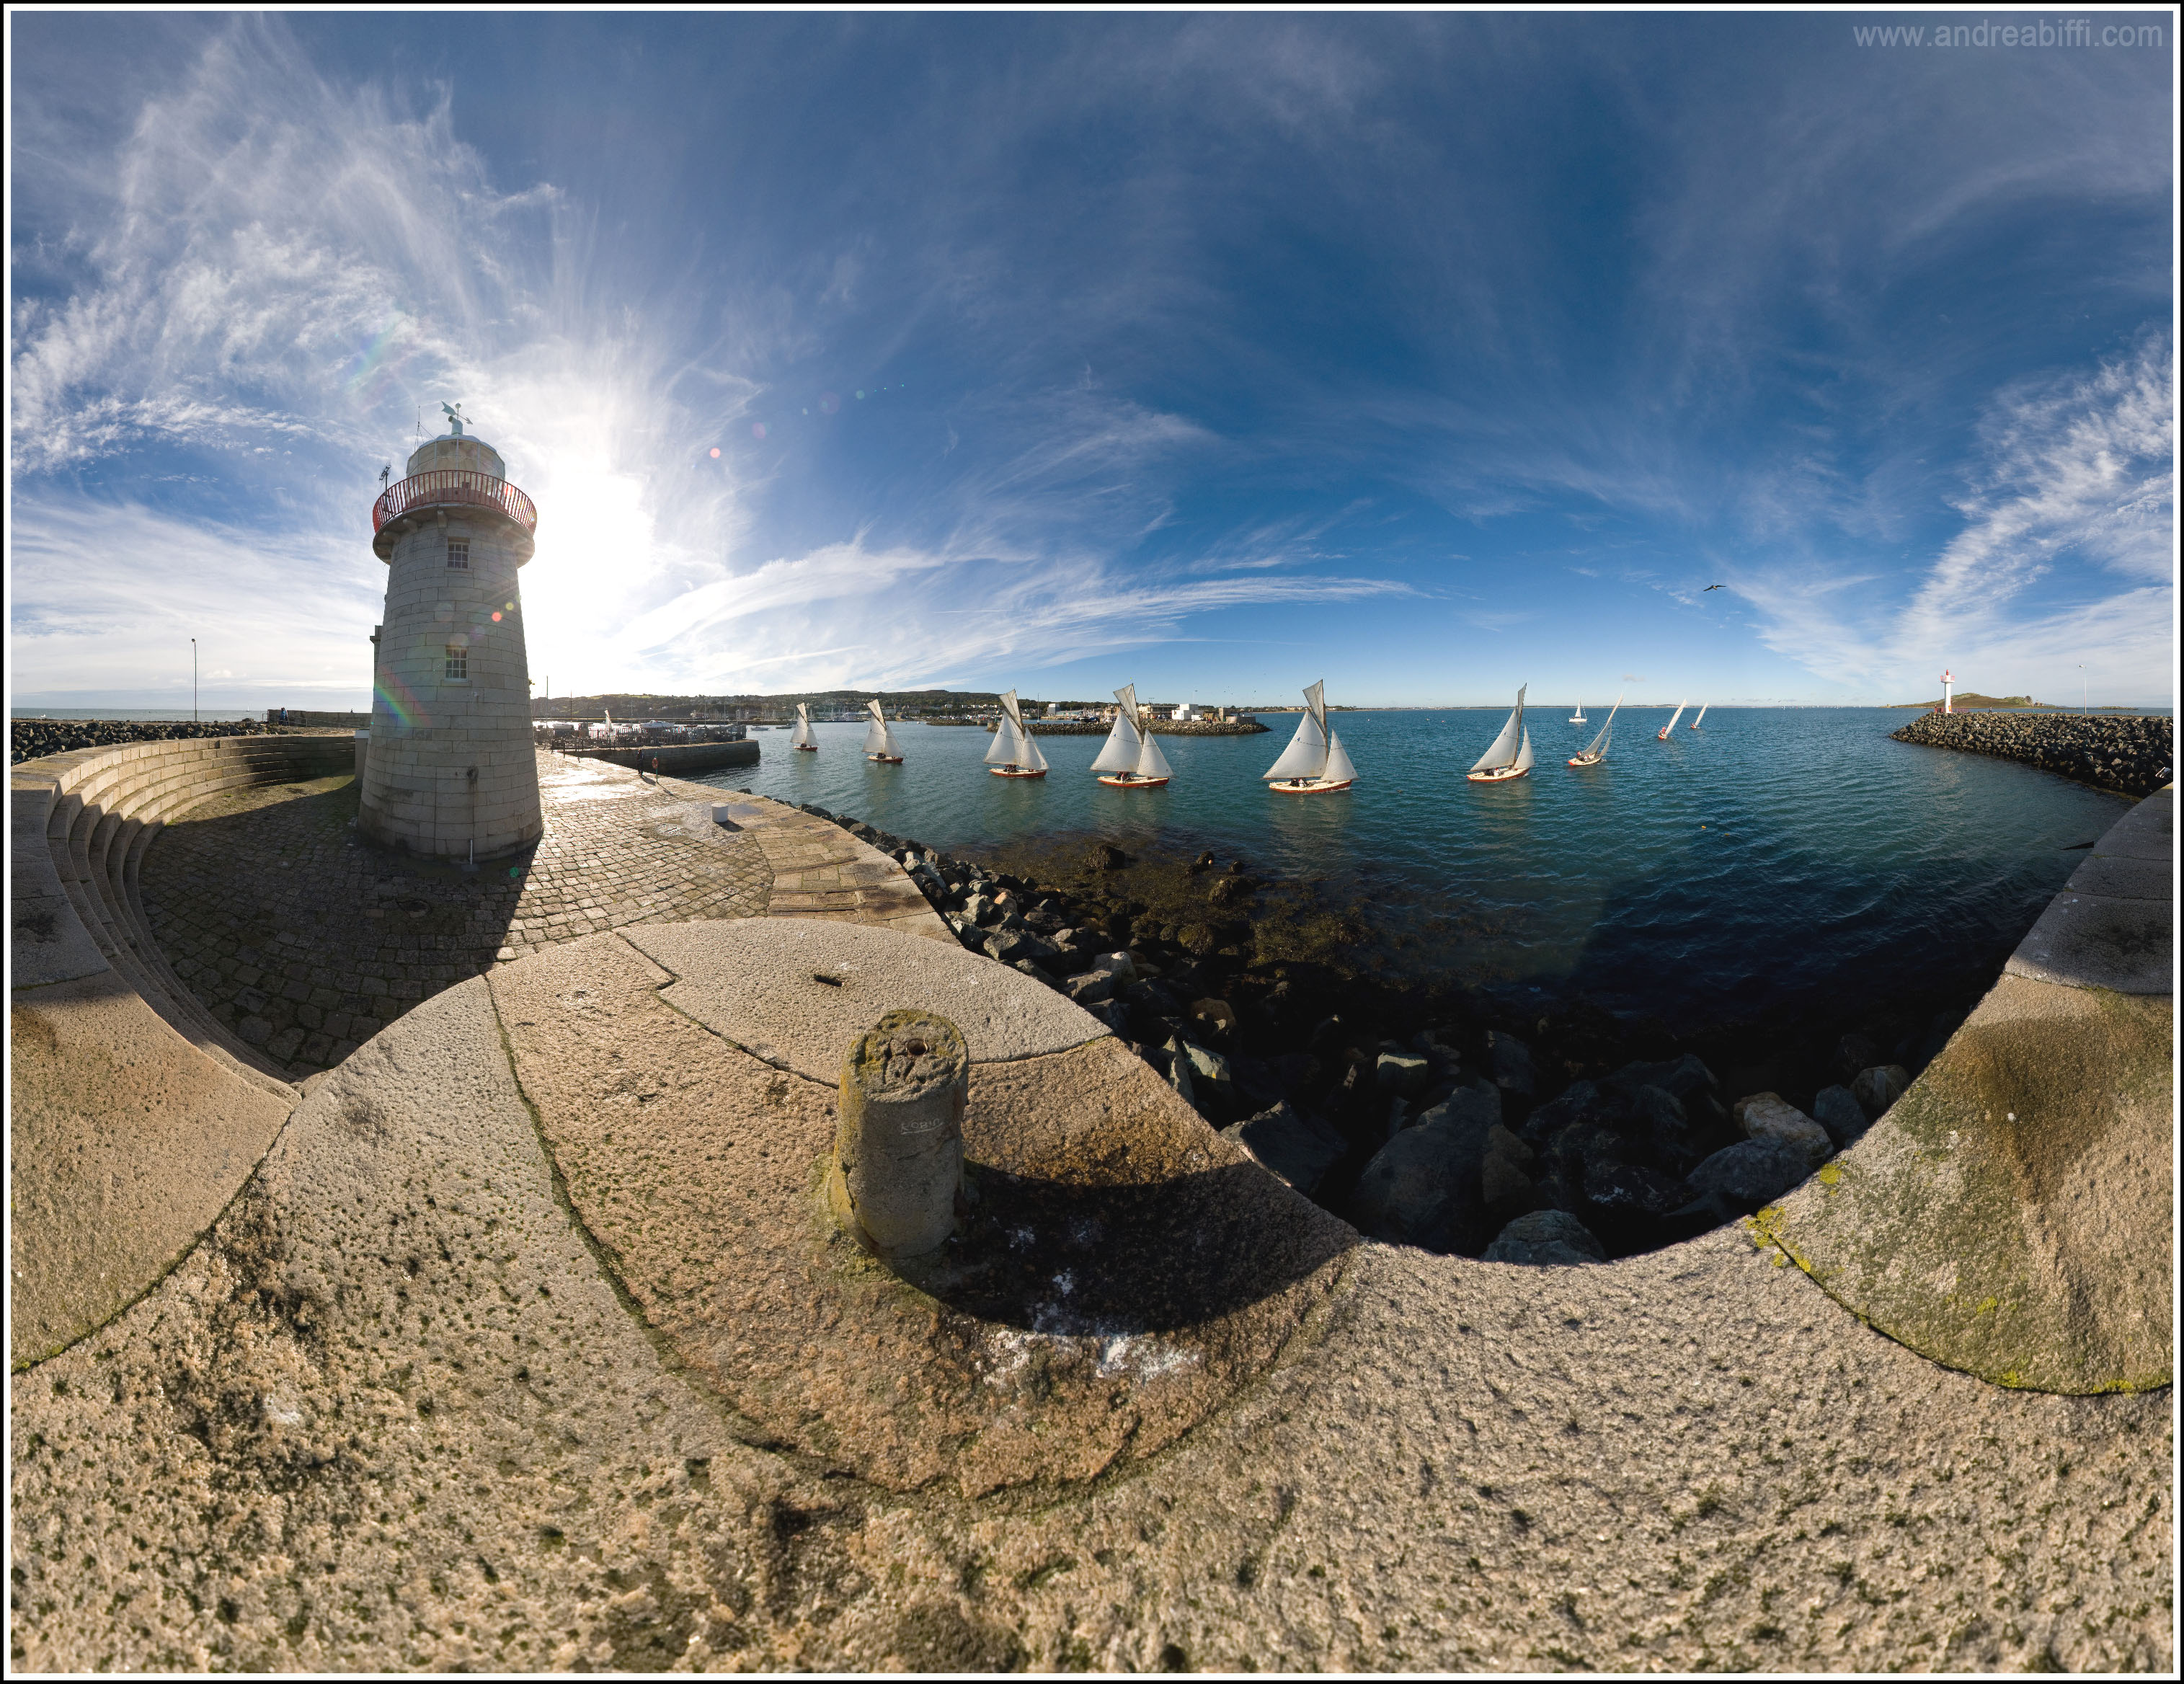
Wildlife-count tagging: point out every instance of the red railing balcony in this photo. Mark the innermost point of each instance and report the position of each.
(454, 485)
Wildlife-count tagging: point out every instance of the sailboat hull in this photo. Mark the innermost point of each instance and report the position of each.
(1499, 774)
(1016, 772)
(1661, 735)
(807, 747)
(1123, 780)
(885, 759)
(1586, 760)
(1309, 786)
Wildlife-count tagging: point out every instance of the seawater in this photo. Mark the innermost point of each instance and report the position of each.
(1775, 859)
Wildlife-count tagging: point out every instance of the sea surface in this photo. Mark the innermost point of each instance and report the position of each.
(1777, 859)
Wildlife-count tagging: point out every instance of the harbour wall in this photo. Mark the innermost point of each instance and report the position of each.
(2133, 755)
(1160, 727)
(677, 760)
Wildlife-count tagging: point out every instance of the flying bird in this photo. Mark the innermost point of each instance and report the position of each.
(1710, 587)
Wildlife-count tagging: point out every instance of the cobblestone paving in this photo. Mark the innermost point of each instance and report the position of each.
(305, 941)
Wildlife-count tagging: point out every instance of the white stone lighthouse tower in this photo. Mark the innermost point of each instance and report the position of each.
(450, 771)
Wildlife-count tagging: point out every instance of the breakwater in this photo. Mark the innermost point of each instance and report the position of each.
(1427, 1113)
(33, 738)
(1160, 727)
(676, 760)
(2134, 756)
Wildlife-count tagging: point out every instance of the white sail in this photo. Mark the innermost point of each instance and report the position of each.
(1578, 718)
(1004, 750)
(1306, 755)
(1127, 700)
(1524, 760)
(1599, 744)
(803, 736)
(1315, 705)
(1121, 752)
(1031, 760)
(877, 741)
(1703, 706)
(1009, 705)
(1151, 762)
(1337, 769)
(1505, 745)
(1674, 717)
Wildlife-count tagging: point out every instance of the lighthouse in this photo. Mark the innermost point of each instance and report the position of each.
(450, 772)
(1948, 685)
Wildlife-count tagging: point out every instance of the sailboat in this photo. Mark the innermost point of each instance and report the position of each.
(1578, 718)
(1663, 736)
(1315, 762)
(879, 742)
(1510, 756)
(1012, 754)
(1596, 750)
(804, 738)
(1131, 759)
(1694, 725)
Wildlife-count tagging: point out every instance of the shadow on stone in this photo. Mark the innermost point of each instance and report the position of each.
(1093, 1262)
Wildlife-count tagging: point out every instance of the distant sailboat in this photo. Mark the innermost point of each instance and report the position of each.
(1510, 756)
(804, 738)
(1578, 718)
(1703, 706)
(1663, 736)
(1315, 762)
(1012, 754)
(879, 741)
(1596, 750)
(1131, 759)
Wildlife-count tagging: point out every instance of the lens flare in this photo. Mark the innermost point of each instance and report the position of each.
(717, 453)
(496, 614)
(829, 402)
(758, 429)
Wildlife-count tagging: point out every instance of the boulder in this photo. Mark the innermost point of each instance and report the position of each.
(1106, 857)
(1294, 1145)
(1855, 1051)
(1479, 1107)
(1768, 1117)
(980, 908)
(1630, 1203)
(1176, 1068)
(1112, 1015)
(1209, 1072)
(1090, 988)
(1217, 1017)
(1659, 1121)
(1119, 966)
(1738, 1180)
(1877, 1089)
(1682, 1079)
(1837, 1111)
(1504, 1174)
(1509, 1062)
(1546, 1236)
(1009, 945)
(1405, 1073)
(1421, 1188)
(1577, 1103)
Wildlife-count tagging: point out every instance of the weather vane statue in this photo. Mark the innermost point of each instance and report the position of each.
(455, 418)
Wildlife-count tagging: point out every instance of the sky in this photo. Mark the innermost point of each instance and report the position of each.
(1427, 354)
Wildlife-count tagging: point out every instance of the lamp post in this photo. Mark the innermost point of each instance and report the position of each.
(194, 681)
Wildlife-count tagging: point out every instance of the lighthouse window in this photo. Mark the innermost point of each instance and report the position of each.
(458, 552)
(458, 661)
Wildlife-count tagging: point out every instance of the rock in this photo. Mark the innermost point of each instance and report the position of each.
(1090, 988)
(980, 908)
(1880, 1087)
(1768, 1117)
(1009, 945)
(1682, 1079)
(1659, 1119)
(1576, 1103)
(1509, 1062)
(1209, 1072)
(1421, 1188)
(1738, 1180)
(1405, 1073)
(1299, 1148)
(1151, 998)
(1399, 1114)
(1837, 1111)
(1546, 1236)
(1630, 1203)
(1855, 1051)
(1119, 966)
(1218, 1017)
(1112, 1015)
(1504, 1174)
(1106, 857)
(1478, 1106)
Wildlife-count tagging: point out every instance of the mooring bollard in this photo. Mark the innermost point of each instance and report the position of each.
(898, 1168)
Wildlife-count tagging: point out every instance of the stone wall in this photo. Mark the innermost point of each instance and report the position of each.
(2132, 755)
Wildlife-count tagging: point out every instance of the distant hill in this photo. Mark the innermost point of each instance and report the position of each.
(647, 705)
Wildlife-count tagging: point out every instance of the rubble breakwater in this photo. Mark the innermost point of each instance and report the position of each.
(2132, 755)
(1427, 1113)
(33, 738)
(1159, 727)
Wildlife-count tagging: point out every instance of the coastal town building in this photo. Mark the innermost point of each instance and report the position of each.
(450, 769)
